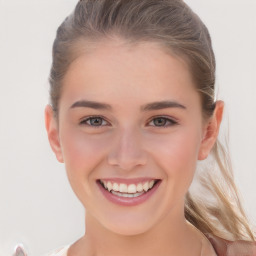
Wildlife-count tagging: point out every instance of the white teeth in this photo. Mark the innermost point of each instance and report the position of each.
(145, 186)
(126, 195)
(123, 188)
(115, 187)
(129, 189)
(139, 187)
(151, 184)
(109, 185)
(132, 188)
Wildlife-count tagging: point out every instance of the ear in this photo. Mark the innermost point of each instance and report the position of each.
(51, 126)
(211, 131)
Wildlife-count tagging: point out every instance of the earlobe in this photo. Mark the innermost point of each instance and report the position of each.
(211, 131)
(53, 133)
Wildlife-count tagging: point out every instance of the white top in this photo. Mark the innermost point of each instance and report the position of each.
(60, 252)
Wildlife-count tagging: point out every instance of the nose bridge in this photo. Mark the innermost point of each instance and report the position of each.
(127, 149)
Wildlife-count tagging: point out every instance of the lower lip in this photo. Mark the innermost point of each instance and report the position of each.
(128, 201)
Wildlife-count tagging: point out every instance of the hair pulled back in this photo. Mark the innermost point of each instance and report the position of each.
(173, 25)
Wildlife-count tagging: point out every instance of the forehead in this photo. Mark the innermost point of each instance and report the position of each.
(114, 69)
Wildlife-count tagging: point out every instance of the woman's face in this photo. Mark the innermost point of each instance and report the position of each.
(129, 115)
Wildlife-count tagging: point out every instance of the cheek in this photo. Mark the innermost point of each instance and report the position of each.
(82, 152)
(176, 154)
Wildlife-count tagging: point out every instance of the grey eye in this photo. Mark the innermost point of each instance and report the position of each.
(94, 121)
(163, 122)
(160, 121)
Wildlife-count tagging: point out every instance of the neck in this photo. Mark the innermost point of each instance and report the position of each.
(172, 236)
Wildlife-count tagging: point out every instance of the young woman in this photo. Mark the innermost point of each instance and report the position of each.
(132, 115)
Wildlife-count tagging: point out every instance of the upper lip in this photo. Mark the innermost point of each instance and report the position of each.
(129, 181)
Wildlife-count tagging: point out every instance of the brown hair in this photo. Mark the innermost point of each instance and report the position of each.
(172, 24)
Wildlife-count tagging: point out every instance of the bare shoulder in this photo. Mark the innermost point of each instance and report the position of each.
(232, 248)
(206, 246)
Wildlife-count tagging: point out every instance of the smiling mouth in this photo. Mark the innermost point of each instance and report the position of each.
(131, 190)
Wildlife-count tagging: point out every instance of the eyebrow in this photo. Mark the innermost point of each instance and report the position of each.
(147, 107)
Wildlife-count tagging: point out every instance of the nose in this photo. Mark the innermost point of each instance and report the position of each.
(127, 151)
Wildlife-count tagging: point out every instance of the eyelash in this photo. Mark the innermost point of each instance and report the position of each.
(171, 121)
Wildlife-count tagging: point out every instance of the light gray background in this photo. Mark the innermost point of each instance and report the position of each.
(37, 206)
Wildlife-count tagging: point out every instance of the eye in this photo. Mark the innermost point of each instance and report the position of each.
(95, 121)
(163, 122)
(98, 121)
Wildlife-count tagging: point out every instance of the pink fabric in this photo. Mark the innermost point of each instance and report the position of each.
(228, 248)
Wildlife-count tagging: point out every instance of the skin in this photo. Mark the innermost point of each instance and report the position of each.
(129, 144)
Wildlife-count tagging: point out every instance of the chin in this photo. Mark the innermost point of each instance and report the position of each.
(129, 227)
